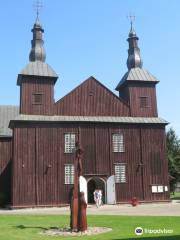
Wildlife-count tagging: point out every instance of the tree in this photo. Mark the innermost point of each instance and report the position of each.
(173, 151)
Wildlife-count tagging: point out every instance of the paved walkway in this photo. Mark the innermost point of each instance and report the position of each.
(158, 209)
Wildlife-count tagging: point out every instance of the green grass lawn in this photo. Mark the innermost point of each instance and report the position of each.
(29, 227)
(175, 196)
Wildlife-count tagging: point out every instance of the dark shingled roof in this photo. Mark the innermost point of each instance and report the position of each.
(6, 114)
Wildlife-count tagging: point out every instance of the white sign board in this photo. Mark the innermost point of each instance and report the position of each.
(154, 189)
(160, 189)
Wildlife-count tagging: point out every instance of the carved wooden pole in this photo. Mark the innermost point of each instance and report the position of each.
(74, 206)
(75, 197)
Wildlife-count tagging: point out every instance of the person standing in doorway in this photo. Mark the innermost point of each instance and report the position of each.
(100, 197)
(96, 197)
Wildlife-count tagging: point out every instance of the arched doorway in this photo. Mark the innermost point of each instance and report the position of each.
(96, 183)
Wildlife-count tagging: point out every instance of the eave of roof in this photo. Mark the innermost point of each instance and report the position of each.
(100, 119)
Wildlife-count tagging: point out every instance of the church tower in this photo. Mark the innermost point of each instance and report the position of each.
(37, 79)
(138, 87)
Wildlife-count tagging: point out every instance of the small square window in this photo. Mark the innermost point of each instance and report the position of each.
(144, 102)
(37, 98)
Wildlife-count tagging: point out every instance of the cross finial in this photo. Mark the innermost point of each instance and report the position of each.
(131, 18)
(38, 5)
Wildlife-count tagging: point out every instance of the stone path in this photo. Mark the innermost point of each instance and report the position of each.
(158, 209)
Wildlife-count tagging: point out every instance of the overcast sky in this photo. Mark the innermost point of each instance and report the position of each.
(88, 38)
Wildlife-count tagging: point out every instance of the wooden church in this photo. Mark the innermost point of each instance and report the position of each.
(122, 136)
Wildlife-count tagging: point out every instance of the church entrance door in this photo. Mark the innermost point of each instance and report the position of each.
(96, 183)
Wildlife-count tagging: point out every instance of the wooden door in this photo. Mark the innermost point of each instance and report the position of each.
(111, 191)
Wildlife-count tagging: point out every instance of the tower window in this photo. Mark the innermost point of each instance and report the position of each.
(118, 142)
(120, 173)
(37, 98)
(69, 142)
(144, 102)
(69, 174)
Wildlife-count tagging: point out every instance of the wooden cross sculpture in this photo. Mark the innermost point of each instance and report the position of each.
(78, 220)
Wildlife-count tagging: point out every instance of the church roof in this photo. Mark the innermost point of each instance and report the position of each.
(37, 68)
(137, 74)
(55, 118)
(6, 114)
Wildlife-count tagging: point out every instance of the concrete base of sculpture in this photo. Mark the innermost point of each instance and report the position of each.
(67, 231)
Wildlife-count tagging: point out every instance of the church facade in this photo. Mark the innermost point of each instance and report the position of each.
(122, 136)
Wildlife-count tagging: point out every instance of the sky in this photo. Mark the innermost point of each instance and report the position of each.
(88, 38)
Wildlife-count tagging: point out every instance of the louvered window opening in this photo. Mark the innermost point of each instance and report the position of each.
(69, 139)
(69, 174)
(120, 173)
(118, 142)
(37, 98)
(144, 102)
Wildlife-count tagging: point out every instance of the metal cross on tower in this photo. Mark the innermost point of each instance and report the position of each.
(131, 18)
(38, 5)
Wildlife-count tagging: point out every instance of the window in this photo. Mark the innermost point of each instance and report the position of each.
(118, 142)
(37, 98)
(69, 174)
(69, 140)
(144, 102)
(120, 173)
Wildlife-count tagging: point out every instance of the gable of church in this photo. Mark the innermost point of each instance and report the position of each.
(91, 98)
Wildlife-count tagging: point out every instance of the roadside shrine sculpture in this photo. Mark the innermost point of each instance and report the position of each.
(78, 205)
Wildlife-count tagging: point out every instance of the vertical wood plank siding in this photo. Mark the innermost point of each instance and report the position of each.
(135, 92)
(38, 172)
(154, 151)
(5, 169)
(32, 86)
(91, 99)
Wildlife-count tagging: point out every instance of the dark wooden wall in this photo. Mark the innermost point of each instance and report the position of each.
(155, 169)
(39, 159)
(132, 93)
(137, 92)
(5, 170)
(32, 85)
(91, 98)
